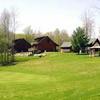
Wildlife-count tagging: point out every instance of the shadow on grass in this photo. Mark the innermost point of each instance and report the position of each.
(20, 60)
(8, 64)
(24, 59)
(82, 54)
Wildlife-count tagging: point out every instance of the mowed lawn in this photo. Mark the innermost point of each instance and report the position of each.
(56, 76)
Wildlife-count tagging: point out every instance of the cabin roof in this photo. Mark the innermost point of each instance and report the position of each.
(95, 47)
(93, 40)
(93, 43)
(22, 41)
(40, 39)
(66, 44)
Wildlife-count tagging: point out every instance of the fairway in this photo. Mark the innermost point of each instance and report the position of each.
(57, 76)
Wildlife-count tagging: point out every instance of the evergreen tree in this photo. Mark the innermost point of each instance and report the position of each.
(79, 40)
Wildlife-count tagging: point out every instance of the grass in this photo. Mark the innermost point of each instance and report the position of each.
(53, 77)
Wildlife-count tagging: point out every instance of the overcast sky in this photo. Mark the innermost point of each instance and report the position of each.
(47, 15)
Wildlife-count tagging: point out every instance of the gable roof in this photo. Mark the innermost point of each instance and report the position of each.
(93, 41)
(66, 44)
(40, 39)
(22, 41)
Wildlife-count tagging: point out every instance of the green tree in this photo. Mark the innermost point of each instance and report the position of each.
(79, 40)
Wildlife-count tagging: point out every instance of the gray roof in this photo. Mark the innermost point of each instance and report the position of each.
(93, 40)
(66, 44)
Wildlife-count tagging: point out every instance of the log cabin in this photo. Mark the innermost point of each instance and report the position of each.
(21, 45)
(44, 44)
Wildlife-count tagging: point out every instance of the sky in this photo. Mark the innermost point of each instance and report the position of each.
(47, 15)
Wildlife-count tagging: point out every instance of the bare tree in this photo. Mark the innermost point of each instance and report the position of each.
(5, 24)
(88, 23)
(13, 26)
(60, 36)
(64, 36)
(57, 37)
(7, 31)
(50, 34)
(28, 31)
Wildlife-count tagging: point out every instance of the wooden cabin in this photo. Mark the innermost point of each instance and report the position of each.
(66, 47)
(94, 47)
(44, 44)
(21, 45)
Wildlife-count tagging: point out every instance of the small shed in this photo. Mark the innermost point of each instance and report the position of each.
(66, 47)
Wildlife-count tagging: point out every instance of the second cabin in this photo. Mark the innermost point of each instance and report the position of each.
(44, 44)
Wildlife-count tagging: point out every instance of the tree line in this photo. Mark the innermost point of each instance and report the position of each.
(8, 21)
(59, 36)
